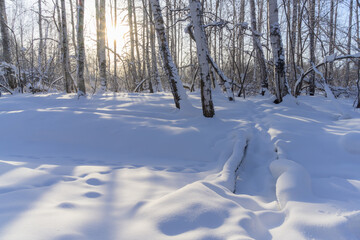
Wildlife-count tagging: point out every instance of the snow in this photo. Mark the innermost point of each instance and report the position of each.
(329, 58)
(131, 166)
(351, 142)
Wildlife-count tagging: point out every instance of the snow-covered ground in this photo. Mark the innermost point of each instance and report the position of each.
(130, 166)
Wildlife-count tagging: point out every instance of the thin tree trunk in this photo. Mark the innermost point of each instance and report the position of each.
(168, 63)
(358, 45)
(138, 60)
(40, 61)
(153, 53)
(65, 50)
(331, 39)
(132, 44)
(73, 25)
(115, 86)
(278, 52)
(293, 75)
(347, 73)
(260, 58)
(202, 52)
(6, 43)
(81, 49)
(102, 53)
(312, 44)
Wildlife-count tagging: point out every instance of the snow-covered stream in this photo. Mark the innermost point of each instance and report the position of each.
(130, 166)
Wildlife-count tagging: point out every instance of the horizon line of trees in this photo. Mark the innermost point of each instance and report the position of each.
(243, 47)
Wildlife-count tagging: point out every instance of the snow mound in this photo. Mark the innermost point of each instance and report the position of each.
(293, 181)
(351, 142)
(187, 217)
(227, 176)
(201, 211)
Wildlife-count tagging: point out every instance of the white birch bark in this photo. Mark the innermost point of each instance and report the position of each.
(102, 55)
(260, 57)
(277, 51)
(81, 49)
(312, 44)
(5, 40)
(170, 69)
(133, 69)
(155, 71)
(40, 61)
(202, 53)
(347, 73)
(357, 6)
(331, 37)
(65, 49)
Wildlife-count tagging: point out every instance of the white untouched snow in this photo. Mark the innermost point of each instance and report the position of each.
(131, 166)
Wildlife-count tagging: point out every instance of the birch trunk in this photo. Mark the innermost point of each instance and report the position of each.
(293, 74)
(331, 39)
(116, 85)
(260, 58)
(6, 43)
(40, 61)
(168, 63)
(312, 44)
(357, 6)
(153, 53)
(347, 74)
(202, 53)
(277, 51)
(81, 49)
(65, 50)
(73, 35)
(102, 54)
(132, 44)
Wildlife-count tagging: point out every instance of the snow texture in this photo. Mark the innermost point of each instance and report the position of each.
(132, 166)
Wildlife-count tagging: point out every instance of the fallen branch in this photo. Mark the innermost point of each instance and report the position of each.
(312, 68)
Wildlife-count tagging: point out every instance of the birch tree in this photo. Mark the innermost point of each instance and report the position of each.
(277, 51)
(5, 40)
(358, 45)
(101, 46)
(40, 60)
(347, 73)
(331, 37)
(202, 53)
(312, 44)
(132, 42)
(260, 57)
(81, 48)
(155, 71)
(65, 50)
(168, 63)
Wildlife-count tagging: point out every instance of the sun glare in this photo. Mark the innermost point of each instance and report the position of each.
(117, 34)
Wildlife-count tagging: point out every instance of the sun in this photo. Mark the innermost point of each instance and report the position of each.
(116, 33)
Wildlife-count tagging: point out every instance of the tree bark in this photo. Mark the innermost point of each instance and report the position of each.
(347, 73)
(153, 53)
(132, 44)
(358, 45)
(81, 49)
(312, 44)
(331, 38)
(278, 52)
(65, 50)
(260, 58)
(40, 60)
(102, 54)
(6, 44)
(168, 63)
(202, 52)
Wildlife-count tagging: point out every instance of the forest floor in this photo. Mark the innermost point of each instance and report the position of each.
(132, 167)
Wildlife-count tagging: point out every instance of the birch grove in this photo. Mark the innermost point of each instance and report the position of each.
(242, 47)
